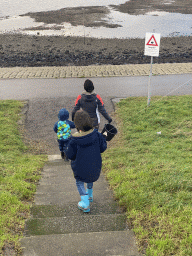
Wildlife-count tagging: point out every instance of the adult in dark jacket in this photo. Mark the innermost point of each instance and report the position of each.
(63, 129)
(92, 103)
(84, 150)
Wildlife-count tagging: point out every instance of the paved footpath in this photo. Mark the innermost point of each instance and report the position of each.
(95, 71)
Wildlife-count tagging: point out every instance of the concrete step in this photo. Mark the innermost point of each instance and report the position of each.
(75, 224)
(62, 174)
(54, 180)
(119, 243)
(46, 211)
(61, 198)
(65, 180)
(64, 186)
(59, 162)
(66, 177)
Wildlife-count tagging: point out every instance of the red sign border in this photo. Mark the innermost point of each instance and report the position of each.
(150, 40)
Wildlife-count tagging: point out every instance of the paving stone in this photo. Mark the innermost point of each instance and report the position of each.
(95, 71)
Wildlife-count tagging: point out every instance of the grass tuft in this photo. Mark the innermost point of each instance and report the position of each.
(19, 173)
(150, 173)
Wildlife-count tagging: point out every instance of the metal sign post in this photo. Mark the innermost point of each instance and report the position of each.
(149, 97)
(84, 23)
(152, 43)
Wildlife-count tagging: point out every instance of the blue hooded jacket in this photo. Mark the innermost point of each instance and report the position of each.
(63, 116)
(84, 150)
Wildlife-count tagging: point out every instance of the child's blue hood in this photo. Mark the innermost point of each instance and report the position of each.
(63, 114)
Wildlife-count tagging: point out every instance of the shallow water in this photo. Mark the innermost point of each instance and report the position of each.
(136, 26)
(132, 26)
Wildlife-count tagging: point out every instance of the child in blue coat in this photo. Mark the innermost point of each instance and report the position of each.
(84, 149)
(63, 129)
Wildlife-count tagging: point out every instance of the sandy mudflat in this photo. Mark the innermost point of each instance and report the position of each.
(143, 6)
(21, 50)
(95, 15)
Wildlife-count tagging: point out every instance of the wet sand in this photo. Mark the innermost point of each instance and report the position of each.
(90, 16)
(94, 16)
(144, 6)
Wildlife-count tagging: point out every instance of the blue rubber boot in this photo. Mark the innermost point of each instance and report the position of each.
(84, 204)
(89, 191)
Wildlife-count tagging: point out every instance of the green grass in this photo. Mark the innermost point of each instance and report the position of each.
(151, 174)
(19, 172)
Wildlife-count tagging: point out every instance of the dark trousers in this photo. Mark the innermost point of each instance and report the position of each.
(63, 145)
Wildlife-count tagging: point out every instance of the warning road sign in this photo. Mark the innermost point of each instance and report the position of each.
(152, 44)
(152, 41)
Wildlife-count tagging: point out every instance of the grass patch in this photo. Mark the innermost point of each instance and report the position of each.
(151, 174)
(19, 172)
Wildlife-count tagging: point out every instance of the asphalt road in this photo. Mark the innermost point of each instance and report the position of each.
(27, 89)
(45, 97)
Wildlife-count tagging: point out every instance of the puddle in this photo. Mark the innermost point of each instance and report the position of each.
(170, 2)
(157, 13)
(16, 24)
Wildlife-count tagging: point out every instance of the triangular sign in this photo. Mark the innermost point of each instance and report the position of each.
(152, 41)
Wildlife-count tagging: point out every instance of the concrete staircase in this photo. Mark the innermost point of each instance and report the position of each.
(57, 227)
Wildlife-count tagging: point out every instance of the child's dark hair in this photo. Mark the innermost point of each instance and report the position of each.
(88, 86)
(83, 121)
